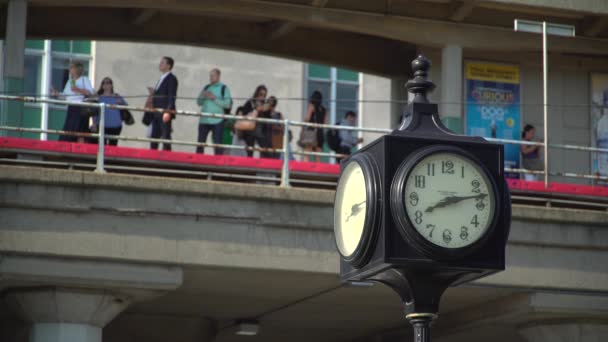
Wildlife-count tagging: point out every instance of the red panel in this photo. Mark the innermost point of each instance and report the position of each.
(574, 189)
(332, 169)
(255, 163)
(37, 145)
(84, 148)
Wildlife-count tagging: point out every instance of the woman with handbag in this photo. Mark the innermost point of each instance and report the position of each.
(312, 138)
(252, 131)
(76, 89)
(112, 118)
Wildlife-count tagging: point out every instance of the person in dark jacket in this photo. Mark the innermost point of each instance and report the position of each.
(260, 133)
(163, 95)
(316, 113)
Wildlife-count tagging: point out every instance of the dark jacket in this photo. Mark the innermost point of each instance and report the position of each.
(164, 97)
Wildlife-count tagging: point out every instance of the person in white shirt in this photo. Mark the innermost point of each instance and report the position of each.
(76, 89)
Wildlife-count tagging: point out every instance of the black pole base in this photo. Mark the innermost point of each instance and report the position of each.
(421, 322)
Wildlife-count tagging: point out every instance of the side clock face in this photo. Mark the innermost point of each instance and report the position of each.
(449, 199)
(355, 209)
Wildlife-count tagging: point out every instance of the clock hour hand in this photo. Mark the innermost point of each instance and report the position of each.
(354, 210)
(444, 202)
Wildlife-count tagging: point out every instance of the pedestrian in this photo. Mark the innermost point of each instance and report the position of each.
(214, 98)
(76, 89)
(163, 95)
(254, 107)
(348, 138)
(315, 113)
(237, 138)
(275, 133)
(530, 154)
(112, 117)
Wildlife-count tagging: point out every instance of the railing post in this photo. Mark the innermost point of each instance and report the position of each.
(101, 139)
(286, 155)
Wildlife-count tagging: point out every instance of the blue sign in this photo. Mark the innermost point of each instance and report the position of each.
(492, 106)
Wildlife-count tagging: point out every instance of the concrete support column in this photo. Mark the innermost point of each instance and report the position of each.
(11, 112)
(67, 314)
(399, 97)
(564, 331)
(451, 88)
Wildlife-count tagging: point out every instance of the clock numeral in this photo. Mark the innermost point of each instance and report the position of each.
(419, 181)
(475, 184)
(418, 217)
(432, 228)
(464, 233)
(462, 172)
(479, 205)
(430, 169)
(474, 221)
(447, 166)
(447, 236)
(414, 199)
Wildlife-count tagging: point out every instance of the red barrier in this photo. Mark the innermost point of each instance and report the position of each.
(126, 153)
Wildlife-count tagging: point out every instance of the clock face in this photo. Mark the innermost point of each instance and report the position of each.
(350, 209)
(449, 200)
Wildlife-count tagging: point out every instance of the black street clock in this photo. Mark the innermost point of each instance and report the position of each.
(422, 209)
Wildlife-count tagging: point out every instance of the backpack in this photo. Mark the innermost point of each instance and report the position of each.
(229, 109)
(333, 139)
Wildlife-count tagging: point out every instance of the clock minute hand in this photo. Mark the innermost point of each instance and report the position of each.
(451, 200)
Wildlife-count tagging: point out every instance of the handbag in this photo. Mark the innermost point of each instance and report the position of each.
(308, 137)
(125, 115)
(89, 111)
(246, 125)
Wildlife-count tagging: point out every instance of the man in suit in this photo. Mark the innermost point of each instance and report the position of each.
(163, 96)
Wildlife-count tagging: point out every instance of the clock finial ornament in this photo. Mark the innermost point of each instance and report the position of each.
(420, 85)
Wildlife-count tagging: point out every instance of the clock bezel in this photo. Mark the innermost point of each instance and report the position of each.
(371, 175)
(399, 210)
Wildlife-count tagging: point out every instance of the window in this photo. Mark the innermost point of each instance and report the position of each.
(346, 82)
(340, 90)
(32, 75)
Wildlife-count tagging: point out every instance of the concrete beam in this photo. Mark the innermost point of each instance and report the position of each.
(365, 53)
(133, 219)
(584, 6)
(281, 30)
(598, 25)
(46, 271)
(436, 33)
(143, 15)
(463, 10)
(319, 3)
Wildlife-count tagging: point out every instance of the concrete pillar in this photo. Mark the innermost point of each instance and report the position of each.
(563, 331)
(11, 112)
(67, 314)
(399, 97)
(451, 88)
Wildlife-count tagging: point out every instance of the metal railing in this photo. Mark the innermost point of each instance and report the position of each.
(285, 151)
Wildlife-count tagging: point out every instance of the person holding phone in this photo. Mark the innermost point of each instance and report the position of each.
(255, 107)
(76, 89)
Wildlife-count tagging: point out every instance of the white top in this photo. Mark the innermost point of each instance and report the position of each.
(162, 78)
(82, 82)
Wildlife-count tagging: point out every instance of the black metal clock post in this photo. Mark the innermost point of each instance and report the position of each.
(414, 235)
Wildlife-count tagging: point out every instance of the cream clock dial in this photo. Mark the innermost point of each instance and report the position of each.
(350, 209)
(449, 200)
(356, 207)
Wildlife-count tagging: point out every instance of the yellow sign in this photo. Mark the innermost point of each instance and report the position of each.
(492, 72)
